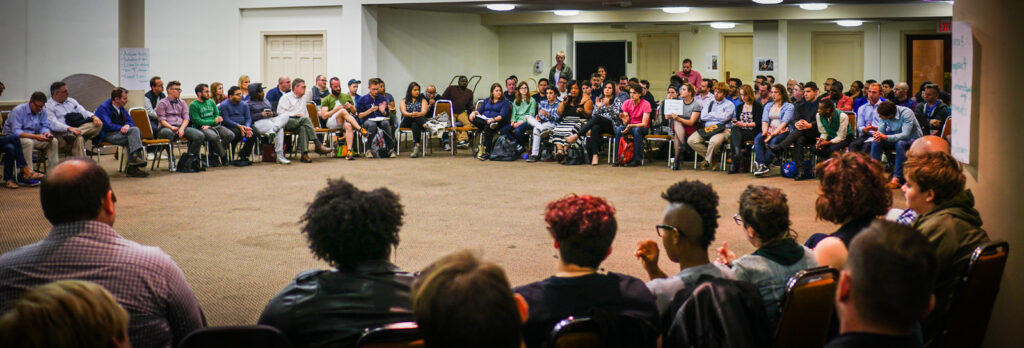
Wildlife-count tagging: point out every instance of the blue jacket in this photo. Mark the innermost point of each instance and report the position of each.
(785, 115)
(235, 114)
(106, 111)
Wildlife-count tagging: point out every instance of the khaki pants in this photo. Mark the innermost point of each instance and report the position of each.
(464, 119)
(696, 143)
(75, 144)
(49, 147)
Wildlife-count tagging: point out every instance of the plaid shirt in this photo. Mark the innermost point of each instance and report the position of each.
(143, 279)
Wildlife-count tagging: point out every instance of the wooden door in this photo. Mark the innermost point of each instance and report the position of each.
(293, 56)
(839, 55)
(658, 60)
(929, 59)
(738, 57)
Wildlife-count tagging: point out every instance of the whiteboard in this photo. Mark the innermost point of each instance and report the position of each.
(963, 83)
(135, 68)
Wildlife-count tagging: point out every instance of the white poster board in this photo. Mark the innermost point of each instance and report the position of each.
(963, 83)
(135, 68)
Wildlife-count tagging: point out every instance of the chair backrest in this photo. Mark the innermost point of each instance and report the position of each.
(314, 116)
(253, 336)
(976, 295)
(852, 116)
(947, 128)
(807, 308)
(441, 107)
(396, 335)
(575, 332)
(141, 119)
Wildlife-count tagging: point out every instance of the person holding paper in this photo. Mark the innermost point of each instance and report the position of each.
(492, 115)
(373, 114)
(684, 117)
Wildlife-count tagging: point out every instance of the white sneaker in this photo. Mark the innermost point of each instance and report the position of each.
(282, 160)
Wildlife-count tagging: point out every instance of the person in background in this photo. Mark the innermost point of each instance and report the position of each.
(834, 130)
(602, 121)
(775, 120)
(919, 97)
(284, 85)
(796, 92)
(841, 101)
(319, 90)
(573, 110)
(510, 87)
(898, 129)
(153, 96)
(933, 112)
(492, 115)
(217, 93)
(687, 73)
(523, 108)
(336, 112)
(746, 125)
(891, 257)
(71, 123)
(595, 82)
(238, 121)
(734, 91)
(717, 114)
(414, 112)
(292, 105)
(353, 88)
(684, 124)
(462, 104)
(392, 107)
(172, 113)
(887, 89)
(764, 93)
(901, 96)
(705, 91)
(601, 70)
(65, 313)
(243, 83)
(205, 115)
(119, 129)
(30, 123)
(542, 87)
(563, 88)
(545, 121)
(855, 90)
(686, 230)
(266, 122)
(623, 87)
(636, 116)
(803, 130)
(560, 70)
(867, 120)
(646, 95)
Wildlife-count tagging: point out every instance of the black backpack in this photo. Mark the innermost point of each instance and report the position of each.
(379, 146)
(574, 155)
(189, 163)
(504, 150)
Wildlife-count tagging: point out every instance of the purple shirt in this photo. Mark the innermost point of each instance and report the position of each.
(693, 78)
(174, 112)
(143, 279)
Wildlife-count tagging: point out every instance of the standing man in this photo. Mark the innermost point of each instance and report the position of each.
(319, 90)
(688, 74)
(238, 121)
(560, 69)
(462, 105)
(375, 105)
(69, 120)
(153, 96)
(804, 131)
(266, 122)
(172, 113)
(284, 85)
(291, 104)
(30, 123)
(119, 129)
(205, 115)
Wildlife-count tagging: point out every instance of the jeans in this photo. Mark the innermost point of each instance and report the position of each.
(14, 157)
(638, 134)
(538, 129)
(761, 154)
(860, 144)
(799, 139)
(597, 126)
(250, 142)
(218, 138)
(519, 133)
(900, 147)
(372, 127)
(194, 136)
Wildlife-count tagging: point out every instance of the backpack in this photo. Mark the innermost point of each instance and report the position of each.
(188, 163)
(379, 146)
(625, 154)
(547, 152)
(574, 155)
(504, 150)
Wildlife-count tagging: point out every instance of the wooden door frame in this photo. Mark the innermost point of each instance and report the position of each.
(263, 48)
(863, 37)
(721, 52)
(908, 49)
(639, 60)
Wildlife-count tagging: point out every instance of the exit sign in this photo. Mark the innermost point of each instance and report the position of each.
(945, 27)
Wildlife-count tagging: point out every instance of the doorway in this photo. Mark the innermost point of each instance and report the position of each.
(929, 58)
(592, 54)
(658, 60)
(293, 56)
(738, 57)
(838, 55)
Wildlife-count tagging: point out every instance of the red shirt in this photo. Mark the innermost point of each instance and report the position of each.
(636, 112)
(693, 78)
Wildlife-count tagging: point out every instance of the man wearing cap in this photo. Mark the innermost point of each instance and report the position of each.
(266, 122)
(172, 114)
(353, 90)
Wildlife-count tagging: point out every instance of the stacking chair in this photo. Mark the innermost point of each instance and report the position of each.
(445, 106)
(396, 335)
(975, 296)
(574, 332)
(947, 129)
(141, 119)
(311, 109)
(807, 308)
(253, 336)
(651, 138)
(403, 135)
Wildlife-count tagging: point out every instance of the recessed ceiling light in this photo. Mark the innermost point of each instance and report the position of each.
(501, 7)
(849, 23)
(814, 6)
(566, 12)
(676, 9)
(768, 2)
(723, 25)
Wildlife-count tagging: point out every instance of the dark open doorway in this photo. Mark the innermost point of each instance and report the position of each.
(592, 54)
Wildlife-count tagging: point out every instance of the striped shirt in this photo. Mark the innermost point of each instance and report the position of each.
(143, 279)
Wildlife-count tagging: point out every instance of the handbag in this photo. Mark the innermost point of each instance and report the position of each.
(269, 155)
(74, 119)
(707, 132)
(188, 163)
(625, 151)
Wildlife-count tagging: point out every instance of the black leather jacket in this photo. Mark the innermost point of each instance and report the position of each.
(331, 308)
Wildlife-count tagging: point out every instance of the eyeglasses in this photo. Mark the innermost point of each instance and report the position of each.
(736, 218)
(658, 229)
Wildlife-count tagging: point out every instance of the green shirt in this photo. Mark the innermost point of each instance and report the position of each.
(525, 108)
(203, 113)
(331, 101)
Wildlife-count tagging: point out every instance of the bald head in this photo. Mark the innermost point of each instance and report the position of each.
(928, 144)
(74, 190)
(431, 89)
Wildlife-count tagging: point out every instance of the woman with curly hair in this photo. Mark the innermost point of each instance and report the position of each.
(764, 217)
(354, 231)
(852, 193)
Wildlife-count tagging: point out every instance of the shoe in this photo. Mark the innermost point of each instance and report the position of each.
(675, 163)
(244, 162)
(532, 159)
(350, 157)
(761, 170)
(463, 144)
(135, 172)
(705, 165)
(416, 148)
(733, 169)
(323, 150)
(633, 163)
(305, 158)
(214, 161)
(494, 125)
(545, 134)
(136, 158)
(392, 154)
(893, 184)
(224, 161)
(447, 147)
(362, 131)
(28, 182)
(282, 160)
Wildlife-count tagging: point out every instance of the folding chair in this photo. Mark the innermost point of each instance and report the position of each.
(141, 119)
(396, 335)
(651, 138)
(574, 332)
(947, 129)
(314, 115)
(807, 308)
(975, 296)
(253, 336)
(403, 134)
(445, 106)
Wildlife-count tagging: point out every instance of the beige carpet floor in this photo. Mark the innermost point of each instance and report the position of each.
(234, 232)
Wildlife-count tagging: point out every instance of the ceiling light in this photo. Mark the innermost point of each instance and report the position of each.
(768, 2)
(723, 25)
(566, 12)
(849, 23)
(676, 9)
(501, 7)
(814, 7)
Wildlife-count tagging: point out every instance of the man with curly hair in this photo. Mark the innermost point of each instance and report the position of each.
(583, 228)
(354, 231)
(687, 229)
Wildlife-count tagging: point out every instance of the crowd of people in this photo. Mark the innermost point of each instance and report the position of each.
(84, 280)
(564, 120)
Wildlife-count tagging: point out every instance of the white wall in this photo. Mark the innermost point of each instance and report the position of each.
(255, 23)
(887, 66)
(45, 41)
(431, 47)
(521, 46)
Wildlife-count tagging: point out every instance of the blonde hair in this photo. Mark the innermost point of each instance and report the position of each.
(243, 78)
(66, 313)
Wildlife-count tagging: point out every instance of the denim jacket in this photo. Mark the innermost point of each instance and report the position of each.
(771, 277)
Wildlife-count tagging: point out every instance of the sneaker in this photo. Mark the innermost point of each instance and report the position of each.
(447, 147)
(362, 131)
(28, 182)
(392, 154)
(545, 134)
(416, 148)
(282, 160)
(214, 161)
(368, 154)
(532, 159)
(633, 163)
(675, 163)
(761, 170)
(463, 144)
(241, 162)
(350, 157)
(270, 135)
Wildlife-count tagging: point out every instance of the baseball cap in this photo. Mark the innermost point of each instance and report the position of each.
(255, 87)
(354, 81)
